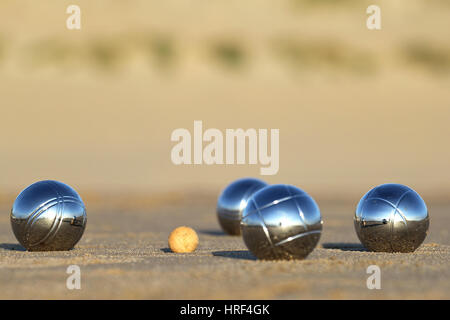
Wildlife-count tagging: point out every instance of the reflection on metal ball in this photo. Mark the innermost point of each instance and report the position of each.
(233, 200)
(281, 222)
(391, 218)
(48, 216)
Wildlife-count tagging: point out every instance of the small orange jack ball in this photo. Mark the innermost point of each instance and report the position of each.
(183, 239)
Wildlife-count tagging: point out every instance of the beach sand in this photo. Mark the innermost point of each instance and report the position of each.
(124, 255)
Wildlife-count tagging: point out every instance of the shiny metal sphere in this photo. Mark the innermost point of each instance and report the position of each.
(48, 216)
(281, 222)
(391, 218)
(233, 200)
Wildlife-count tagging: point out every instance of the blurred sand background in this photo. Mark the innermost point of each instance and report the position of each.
(95, 108)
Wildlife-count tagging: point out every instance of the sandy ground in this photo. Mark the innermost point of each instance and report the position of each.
(124, 255)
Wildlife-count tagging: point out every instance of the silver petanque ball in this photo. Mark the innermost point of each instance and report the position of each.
(48, 216)
(281, 222)
(233, 200)
(391, 218)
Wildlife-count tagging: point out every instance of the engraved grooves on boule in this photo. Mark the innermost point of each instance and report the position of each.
(50, 203)
(55, 225)
(231, 214)
(366, 197)
(58, 218)
(300, 235)
(396, 209)
(300, 211)
(263, 224)
(39, 210)
(301, 216)
(276, 202)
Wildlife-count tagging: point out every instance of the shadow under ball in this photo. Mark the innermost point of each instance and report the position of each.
(232, 202)
(391, 218)
(281, 222)
(48, 216)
